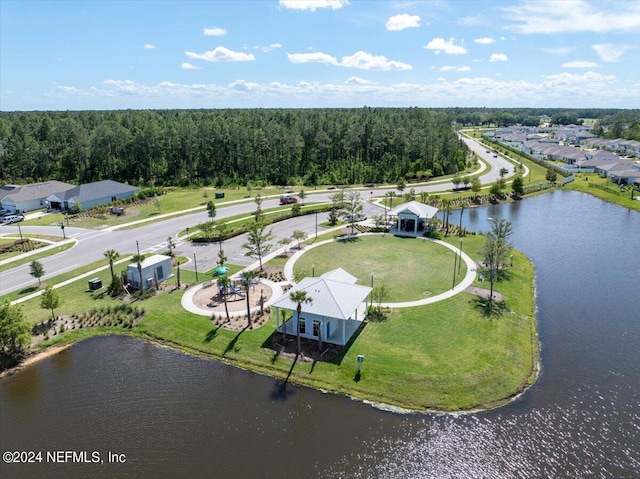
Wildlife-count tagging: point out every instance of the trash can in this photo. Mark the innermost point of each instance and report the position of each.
(95, 284)
(219, 195)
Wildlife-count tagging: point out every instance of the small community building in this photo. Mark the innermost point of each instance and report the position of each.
(335, 313)
(89, 195)
(412, 217)
(21, 198)
(156, 268)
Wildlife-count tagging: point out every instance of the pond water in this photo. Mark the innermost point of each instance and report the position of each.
(175, 415)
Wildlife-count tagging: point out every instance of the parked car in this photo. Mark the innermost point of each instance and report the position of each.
(7, 220)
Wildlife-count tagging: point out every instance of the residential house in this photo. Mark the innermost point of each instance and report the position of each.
(91, 194)
(21, 198)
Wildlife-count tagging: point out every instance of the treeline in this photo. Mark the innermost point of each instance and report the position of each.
(230, 147)
(609, 123)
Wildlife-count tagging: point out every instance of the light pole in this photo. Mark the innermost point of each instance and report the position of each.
(455, 264)
(371, 289)
(316, 224)
(20, 231)
(313, 270)
(460, 260)
(195, 263)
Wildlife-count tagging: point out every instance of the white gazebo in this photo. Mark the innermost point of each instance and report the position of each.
(337, 309)
(412, 217)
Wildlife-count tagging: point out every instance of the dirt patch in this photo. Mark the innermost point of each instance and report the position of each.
(484, 293)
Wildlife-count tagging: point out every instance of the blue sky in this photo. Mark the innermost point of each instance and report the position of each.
(74, 55)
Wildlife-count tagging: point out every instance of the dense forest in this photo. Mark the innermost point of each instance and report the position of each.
(271, 146)
(230, 147)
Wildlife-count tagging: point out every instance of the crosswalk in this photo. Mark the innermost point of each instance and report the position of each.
(161, 247)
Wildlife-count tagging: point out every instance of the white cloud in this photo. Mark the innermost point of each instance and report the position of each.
(577, 91)
(609, 52)
(451, 68)
(579, 64)
(367, 61)
(498, 57)
(361, 60)
(149, 46)
(402, 21)
(214, 32)
(189, 66)
(573, 78)
(358, 81)
(485, 40)
(222, 54)
(570, 16)
(315, 57)
(268, 48)
(440, 44)
(244, 85)
(313, 5)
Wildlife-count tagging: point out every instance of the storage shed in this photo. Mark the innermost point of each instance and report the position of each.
(154, 268)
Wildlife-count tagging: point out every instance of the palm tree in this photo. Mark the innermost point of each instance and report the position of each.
(139, 258)
(246, 280)
(299, 297)
(223, 283)
(111, 255)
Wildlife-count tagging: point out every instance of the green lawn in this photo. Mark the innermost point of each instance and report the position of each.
(445, 356)
(411, 268)
(33, 256)
(585, 182)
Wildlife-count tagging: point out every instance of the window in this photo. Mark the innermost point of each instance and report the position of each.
(316, 328)
(302, 326)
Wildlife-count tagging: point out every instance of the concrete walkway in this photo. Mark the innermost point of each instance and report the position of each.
(189, 305)
(458, 288)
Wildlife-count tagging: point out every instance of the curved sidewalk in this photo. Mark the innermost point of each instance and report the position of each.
(458, 288)
(189, 305)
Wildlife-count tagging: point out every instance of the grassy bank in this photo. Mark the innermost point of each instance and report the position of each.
(604, 189)
(445, 356)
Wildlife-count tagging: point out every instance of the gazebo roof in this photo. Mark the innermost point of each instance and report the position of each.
(415, 208)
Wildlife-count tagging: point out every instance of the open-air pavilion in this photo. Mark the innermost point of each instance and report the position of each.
(411, 217)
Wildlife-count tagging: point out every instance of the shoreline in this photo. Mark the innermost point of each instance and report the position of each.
(52, 350)
(36, 357)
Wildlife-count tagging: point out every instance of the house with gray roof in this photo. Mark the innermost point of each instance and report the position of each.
(335, 313)
(91, 194)
(21, 198)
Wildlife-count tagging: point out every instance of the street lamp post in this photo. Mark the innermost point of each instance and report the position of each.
(313, 270)
(455, 264)
(20, 231)
(460, 259)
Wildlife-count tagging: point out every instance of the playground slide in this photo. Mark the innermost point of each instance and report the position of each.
(236, 291)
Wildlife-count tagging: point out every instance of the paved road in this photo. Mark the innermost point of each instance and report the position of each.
(91, 244)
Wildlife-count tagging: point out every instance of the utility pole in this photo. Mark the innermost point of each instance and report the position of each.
(196, 265)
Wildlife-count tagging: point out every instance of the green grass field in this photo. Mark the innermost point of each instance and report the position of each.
(411, 268)
(444, 356)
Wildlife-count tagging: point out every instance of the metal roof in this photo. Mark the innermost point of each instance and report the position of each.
(330, 298)
(418, 209)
